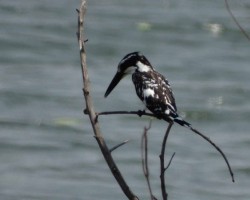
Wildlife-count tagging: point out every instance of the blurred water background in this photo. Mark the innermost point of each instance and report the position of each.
(47, 149)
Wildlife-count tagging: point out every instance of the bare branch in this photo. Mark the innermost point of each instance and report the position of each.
(236, 21)
(217, 148)
(162, 161)
(90, 107)
(144, 154)
(117, 146)
(141, 113)
(170, 161)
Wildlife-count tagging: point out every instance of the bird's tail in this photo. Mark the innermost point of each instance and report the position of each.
(182, 122)
(176, 118)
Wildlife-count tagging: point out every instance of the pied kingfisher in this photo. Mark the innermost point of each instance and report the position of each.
(151, 87)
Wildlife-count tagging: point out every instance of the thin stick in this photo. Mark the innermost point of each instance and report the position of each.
(118, 145)
(141, 113)
(217, 148)
(170, 161)
(144, 155)
(236, 21)
(162, 161)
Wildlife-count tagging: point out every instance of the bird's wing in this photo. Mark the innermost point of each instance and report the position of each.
(164, 91)
(154, 90)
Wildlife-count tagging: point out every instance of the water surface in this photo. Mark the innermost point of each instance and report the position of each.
(47, 145)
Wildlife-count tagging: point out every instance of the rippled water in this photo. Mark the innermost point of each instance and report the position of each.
(47, 149)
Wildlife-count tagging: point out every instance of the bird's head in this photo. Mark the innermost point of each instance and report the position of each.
(128, 65)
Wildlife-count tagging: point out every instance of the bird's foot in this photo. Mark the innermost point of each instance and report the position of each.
(141, 112)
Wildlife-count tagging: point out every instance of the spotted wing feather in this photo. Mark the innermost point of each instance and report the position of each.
(154, 90)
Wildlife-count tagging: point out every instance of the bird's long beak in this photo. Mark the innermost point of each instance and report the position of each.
(118, 76)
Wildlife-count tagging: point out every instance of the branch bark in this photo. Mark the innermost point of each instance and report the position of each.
(162, 162)
(144, 155)
(90, 107)
(141, 113)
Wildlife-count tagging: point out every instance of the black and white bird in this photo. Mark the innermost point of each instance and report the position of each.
(151, 87)
(155, 92)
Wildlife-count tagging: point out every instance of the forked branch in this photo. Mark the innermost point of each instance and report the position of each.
(162, 162)
(144, 155)
(141, 113)
(90, 107)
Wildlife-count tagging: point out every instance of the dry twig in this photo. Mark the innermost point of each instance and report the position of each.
(118, 145)
(217, 148)
(162, 161)
(90, 107)
(236, 21)
(144, 155)
(141, 113)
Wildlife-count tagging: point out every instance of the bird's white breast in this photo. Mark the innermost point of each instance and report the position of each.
(148, 92)
(142, 67)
